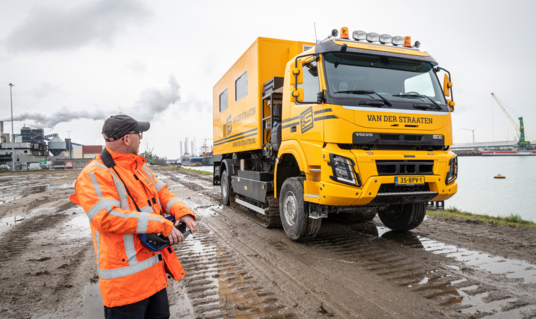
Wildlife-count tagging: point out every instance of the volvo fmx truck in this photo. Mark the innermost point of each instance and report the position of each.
(346, 128)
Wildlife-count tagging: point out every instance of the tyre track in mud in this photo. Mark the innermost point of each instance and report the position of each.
(222, 286)
(464, 290)
(423, 267)
(14, 241)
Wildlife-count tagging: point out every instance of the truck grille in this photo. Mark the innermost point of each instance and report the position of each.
(405, 167)
(389, 137)
(392, 188)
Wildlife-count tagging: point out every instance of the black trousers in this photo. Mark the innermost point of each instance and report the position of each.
(154, 307)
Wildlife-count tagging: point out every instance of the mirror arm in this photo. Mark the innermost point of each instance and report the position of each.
(437, 69)
(321, 97)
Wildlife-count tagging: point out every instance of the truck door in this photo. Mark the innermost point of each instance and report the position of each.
(303, 125)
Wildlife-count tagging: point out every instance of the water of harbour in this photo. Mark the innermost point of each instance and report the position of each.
(480, 193)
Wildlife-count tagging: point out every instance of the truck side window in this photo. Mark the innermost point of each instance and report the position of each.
(241, 86)
(224, 100)
(310, 85)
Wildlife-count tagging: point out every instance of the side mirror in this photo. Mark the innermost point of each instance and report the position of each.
(447, 90)
(446, 85)
(297, 95)
(296, 74)
(451, 105)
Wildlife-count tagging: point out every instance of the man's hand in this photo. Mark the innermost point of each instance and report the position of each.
(189, 221)
(175, 236)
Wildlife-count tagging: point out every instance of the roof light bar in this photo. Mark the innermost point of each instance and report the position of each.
(385, 38)
(398, 40)
(359, 35)
(373, 37)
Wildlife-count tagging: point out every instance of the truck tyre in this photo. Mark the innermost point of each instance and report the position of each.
(402, 217)
(227, 193)
(294, 215)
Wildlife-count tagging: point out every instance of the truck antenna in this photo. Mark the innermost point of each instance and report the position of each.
(316, 39)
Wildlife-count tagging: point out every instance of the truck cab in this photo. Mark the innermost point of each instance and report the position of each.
(353, 127)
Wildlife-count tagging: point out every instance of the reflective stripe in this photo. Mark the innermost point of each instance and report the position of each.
(170, 203)
(130, 249)
(159, 186)
(129, 270)
(98, 248)
(143, 222)
(148, 172)
(96, 184)
(98, 164)
(121, 192)
(132, 215)
(120, 214)
(100, 205)
(147, 209)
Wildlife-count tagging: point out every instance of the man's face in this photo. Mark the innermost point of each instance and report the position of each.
(133, 139)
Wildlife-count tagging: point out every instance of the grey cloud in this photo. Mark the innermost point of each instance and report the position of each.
(54, 28)
(152, 101)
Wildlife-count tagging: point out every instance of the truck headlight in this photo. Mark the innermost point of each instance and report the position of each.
(452, 174)
(343, 170)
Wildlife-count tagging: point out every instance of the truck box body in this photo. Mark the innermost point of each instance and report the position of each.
(237, 113)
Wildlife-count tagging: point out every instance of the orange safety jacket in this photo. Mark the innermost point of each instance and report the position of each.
(128, 271)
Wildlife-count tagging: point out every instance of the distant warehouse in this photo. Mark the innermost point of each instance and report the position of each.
(86, 151)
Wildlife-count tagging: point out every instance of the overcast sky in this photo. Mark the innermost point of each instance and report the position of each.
(73, 63)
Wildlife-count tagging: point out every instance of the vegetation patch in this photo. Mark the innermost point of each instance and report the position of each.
(511, 220)
(194, 170)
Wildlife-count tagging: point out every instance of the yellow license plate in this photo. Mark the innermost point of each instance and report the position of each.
(409, 180)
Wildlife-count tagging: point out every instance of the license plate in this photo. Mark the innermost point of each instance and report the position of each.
(409, 180)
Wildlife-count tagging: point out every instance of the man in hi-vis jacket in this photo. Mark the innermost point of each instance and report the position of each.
(122, 198)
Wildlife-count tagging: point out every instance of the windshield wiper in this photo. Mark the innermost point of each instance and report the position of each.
(438, 107)
(368, 92)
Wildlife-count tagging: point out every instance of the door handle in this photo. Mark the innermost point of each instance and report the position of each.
(293, 129)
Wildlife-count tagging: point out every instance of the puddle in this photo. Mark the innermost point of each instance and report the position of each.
(76, 227)
(23, 190)
(511, 268)
(8, 222)
(92, 307)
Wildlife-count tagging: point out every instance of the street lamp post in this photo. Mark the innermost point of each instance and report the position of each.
(12, 132)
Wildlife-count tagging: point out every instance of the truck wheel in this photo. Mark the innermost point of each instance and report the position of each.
(294, 215)
(226, 191)
(402, 217)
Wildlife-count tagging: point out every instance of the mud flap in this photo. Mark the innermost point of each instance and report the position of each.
(172, 263)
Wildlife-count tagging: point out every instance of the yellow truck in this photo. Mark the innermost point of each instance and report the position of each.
(348, 127)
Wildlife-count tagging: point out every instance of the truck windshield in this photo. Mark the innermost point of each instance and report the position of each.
(406, 84)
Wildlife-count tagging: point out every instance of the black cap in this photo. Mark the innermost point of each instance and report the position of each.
(117, 126)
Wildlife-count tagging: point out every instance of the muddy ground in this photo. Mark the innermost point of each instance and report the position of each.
(237, 269)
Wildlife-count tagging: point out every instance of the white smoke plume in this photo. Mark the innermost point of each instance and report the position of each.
(151, 102)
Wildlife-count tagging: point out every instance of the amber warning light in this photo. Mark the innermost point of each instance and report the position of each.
(344, 33)
(407, 42)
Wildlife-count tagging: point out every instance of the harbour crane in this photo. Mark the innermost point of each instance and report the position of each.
(520, 130)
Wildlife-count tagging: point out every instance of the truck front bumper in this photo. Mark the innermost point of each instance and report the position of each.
(330, 193)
